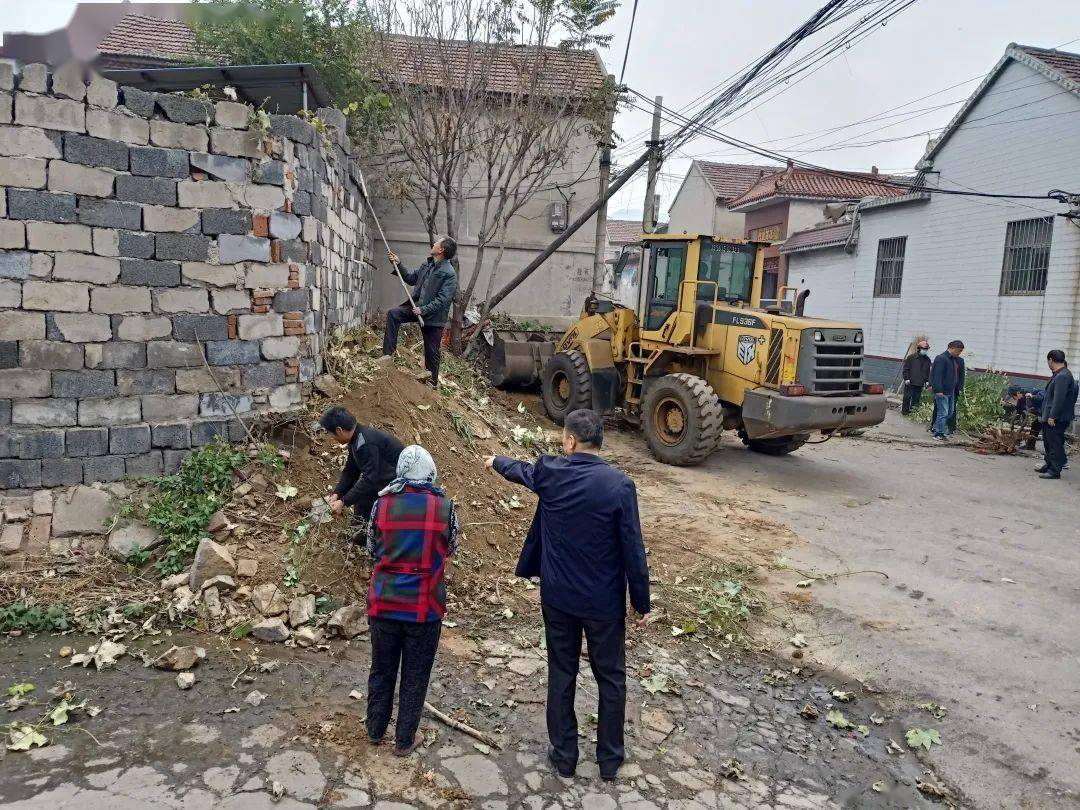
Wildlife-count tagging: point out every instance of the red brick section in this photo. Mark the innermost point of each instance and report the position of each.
(233, 331)
(294, 323)
(262, 300)
(294, 276)
(198, 175)
(275, 250)
(292, 369)
(260, 225)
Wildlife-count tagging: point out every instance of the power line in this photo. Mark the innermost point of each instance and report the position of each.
(629, 36)
(877, 179)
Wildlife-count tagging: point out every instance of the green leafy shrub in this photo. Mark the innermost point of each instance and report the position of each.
(22, 615)
(181, 505)
(979, 406)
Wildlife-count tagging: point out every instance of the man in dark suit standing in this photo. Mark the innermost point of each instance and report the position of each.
(947, 379)
(370, 464)
(435, 284)
(585, 545)
(1058, 410)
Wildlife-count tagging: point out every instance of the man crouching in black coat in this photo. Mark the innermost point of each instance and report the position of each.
(370, 464)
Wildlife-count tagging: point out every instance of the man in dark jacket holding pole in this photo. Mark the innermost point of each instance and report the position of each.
(585, 545)
(947, 380)
(1058, 410)
(435, 284)
(370, 464)
(916, 375)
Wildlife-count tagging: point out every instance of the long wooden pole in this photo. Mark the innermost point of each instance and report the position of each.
(382, 235)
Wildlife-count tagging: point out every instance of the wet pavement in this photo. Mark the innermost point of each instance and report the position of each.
(727, 734)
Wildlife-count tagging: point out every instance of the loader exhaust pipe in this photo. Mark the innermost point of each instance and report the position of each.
(800, 302)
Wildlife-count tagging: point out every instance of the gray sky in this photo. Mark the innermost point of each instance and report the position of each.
(682, 48)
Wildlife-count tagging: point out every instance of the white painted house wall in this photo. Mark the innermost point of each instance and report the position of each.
(955, 245)
(695, 210)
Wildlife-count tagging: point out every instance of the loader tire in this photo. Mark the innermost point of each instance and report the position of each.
(778, 446)
(566, 384)
(683, 419)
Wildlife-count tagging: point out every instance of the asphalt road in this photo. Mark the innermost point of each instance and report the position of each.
(981, 608)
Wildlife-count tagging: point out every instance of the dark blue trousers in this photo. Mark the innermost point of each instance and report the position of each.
(607, 657)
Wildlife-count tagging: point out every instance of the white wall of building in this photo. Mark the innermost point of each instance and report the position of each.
(693, 208)
(955, 245)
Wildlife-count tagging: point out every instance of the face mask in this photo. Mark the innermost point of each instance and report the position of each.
(922, 351)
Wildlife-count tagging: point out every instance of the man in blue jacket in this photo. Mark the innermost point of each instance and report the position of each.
(1058, 410)
(435, 284)
(947, 380)
(585, 545)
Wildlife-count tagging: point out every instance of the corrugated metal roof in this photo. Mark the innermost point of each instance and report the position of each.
(729, 180)
(831, 235)
(817, 185)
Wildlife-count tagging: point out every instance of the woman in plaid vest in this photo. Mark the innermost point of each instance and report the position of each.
(413, 529)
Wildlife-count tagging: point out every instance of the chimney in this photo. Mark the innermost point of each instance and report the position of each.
(873, 170)
(790, 163)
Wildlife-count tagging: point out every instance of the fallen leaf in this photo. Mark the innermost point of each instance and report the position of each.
(23, 737)
(863, 730)
(935, 709)
(277, 790)
(877, 719)
(804, 583)
(103, 654)
(1009, 580)
(731, 768)
(918, 738)
(931, 789)
(483, 749)
(656, 683)
(508, 614)
(842, 696)
(286, 491)
(685, 629)
(836, 719)
(879, 787)
(356, 694)
(254, 697)
(423, 407)
(232, 710)
(810, 712)
(894, 747)
(20, 689)
(798, 640)
(521, 407)
(59, 714)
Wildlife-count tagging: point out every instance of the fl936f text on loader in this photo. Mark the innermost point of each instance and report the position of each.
(703, 354)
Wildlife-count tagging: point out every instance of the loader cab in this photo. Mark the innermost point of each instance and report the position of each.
(684, 272)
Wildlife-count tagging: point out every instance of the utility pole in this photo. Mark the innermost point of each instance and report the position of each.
(599, 270)
(649, 214)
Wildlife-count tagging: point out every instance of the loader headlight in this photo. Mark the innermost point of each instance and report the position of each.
(818, 337)
(858, 337)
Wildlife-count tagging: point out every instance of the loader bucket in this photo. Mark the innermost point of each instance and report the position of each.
(518, 357)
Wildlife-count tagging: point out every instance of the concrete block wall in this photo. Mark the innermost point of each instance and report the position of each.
(164, 267)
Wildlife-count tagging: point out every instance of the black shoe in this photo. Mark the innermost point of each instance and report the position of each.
(565, 773)
(1050, 476)
(609, 777)
(1041, 469)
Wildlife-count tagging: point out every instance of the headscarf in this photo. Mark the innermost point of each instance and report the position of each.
(415, 468)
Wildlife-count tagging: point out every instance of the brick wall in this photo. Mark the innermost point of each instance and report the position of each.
(162, 266)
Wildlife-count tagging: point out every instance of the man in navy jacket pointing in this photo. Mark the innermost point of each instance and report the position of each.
(585, 545)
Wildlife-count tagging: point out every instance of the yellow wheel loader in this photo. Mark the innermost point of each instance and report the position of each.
(703, 354)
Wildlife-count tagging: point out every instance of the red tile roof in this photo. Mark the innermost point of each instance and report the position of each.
(729, 180)
(795, 182)
(820, 236)
(138, 35)
(623, 231)
(563, 70)
(1062, 62)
